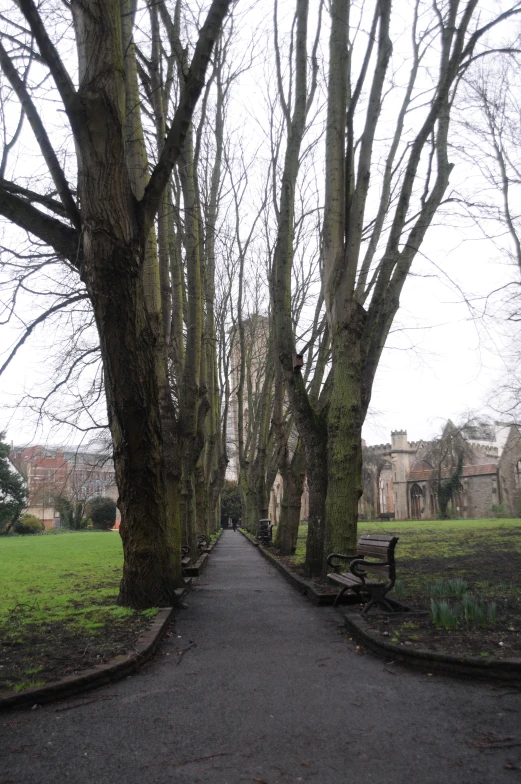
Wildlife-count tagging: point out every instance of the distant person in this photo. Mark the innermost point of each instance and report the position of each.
(234, 523)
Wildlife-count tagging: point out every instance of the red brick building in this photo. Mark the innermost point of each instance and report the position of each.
(79, 476)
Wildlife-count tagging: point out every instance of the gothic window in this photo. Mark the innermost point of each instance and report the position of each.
(416, 501)
(518, 474)
(382, 496)
(434, 502)
(457, 501)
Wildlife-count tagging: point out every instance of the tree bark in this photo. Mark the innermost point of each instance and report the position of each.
(344, 431)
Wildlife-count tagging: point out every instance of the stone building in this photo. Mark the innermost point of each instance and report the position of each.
(399, 479)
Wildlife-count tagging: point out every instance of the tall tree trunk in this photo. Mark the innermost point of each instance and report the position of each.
(344, 430)
(292, 474)
(190, 389)
(128, 349)
(309, 419)
(155, 276)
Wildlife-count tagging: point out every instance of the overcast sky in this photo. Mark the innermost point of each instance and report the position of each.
(440, 362)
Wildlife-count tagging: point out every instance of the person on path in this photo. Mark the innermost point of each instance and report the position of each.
(234, 523)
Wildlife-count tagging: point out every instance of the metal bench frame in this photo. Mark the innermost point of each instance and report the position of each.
(375, 546)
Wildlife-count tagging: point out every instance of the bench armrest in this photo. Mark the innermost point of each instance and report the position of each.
(353, 567)
(338, 555)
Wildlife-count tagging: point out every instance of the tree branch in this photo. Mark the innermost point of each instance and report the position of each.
(62, 238)
(39, 320)
(192, 88)
(52, 58)
(55, 170)
(45, 201)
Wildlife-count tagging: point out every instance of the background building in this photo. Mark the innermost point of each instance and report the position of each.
(400, 478)
(51, 473)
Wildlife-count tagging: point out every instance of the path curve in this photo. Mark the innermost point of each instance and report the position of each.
(267, 689)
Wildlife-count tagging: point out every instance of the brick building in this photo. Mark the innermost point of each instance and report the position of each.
(49, 473)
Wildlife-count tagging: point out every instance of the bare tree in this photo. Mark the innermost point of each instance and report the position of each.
(102, 229)
(380, 199)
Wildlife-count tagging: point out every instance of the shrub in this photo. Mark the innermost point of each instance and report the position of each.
(500, 511)
(102, 512)
(29, 524)
(443, 614)
(453, 588)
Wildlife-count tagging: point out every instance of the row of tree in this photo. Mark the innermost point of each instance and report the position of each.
(150, 226)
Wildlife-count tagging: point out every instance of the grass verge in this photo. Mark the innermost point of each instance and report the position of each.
(58, 611)
(458, 565)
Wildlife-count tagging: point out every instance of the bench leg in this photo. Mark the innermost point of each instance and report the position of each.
(377, 600)
(339, 595)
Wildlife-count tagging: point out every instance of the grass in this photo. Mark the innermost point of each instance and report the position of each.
(438, 538)
(70, 578)
(58, 609)
(456, 588)
(26, 685)
(461, 569)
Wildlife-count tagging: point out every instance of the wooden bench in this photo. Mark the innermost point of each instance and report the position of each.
(202, 544)
(265, 532)
(380, 549)
(185, 558)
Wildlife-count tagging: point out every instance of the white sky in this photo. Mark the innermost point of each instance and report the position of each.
(450, 362)
(441, 365)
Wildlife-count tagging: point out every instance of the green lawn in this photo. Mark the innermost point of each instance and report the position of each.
(70, 577)
(58, 611)
(438, 538)
(484, 553)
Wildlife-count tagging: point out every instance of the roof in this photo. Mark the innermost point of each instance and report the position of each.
(424, 475)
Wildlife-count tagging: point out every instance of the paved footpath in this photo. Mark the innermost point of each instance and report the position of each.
(268, 689)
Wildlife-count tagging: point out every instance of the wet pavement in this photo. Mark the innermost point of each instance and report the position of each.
(258, 685)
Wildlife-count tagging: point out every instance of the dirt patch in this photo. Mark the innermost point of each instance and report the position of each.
(490, 578)
(498, 640)
(48, 652)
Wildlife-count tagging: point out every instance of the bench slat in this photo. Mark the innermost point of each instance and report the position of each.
(373, 552)
(376, 537)
(374, 568)
(349, 579)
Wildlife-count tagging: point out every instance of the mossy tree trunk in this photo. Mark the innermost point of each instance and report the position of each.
(104, 235)
(309, 418)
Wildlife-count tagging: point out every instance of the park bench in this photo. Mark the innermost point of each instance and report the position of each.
(202, 544)
(380, 550)
(265, 532)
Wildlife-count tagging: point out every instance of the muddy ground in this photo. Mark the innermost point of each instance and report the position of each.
(48, 652)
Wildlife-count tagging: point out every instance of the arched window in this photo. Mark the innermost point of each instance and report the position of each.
(518, 474)
(382, 495)
(457, 502)
(434, 503)
(416, 501)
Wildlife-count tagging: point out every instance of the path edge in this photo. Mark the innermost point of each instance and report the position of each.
(300, 583)
(114, 670)
(446, 663)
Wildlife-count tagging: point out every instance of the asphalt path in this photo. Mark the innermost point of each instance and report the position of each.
(255, 684)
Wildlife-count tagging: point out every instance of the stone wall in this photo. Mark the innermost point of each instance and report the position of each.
(509, 472)
(480, 493)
